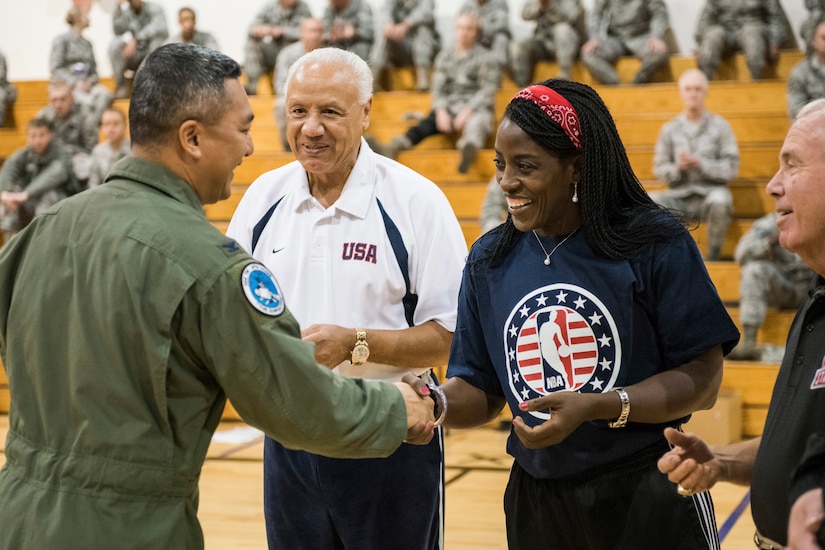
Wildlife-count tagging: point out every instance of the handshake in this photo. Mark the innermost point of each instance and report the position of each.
(426, 408)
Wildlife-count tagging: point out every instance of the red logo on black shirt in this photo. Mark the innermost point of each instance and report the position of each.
(819, 377)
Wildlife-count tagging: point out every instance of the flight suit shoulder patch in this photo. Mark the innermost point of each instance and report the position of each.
(262, 290)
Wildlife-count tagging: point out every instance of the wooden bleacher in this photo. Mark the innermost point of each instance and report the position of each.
(755, 110)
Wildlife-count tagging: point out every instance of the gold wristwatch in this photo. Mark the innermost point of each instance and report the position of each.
(361, 351)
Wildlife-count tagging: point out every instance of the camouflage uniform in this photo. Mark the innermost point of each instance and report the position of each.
(624, 27)
(493, 207)
(418, 47)
(103, 157)
(460, 80)
(72, 59)
(702, 193)
(201, 38)
(806, 83)
(262, 53)
(494, 16)
(47, 178)
(286, 58)
(771, 276)
(727, 26)
(559, 33)
(78, 134)
(150, 30)
(8, 93)
(358, 14)
(816, 13)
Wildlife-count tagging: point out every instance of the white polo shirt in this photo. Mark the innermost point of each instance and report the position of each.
(337, 265)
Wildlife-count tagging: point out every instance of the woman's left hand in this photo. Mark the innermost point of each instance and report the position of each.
(567, 411)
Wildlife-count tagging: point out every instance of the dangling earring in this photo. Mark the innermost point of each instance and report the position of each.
(575, 191)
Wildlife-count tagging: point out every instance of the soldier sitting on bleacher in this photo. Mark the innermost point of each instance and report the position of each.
(625, 27)
(465, 82)
(494, 29)
(696, 155)
(8, 93)
(407, 37)
(807, 79)
(276, 25)
(559, 32)
(349, 25)
(190, 33)
(493, 208)
(74, 127)
(816, 13)
(758, 28)
(33, 178)
(116, 146)
(771, 277)
(72, 59)
(140, 28)
(312, 31)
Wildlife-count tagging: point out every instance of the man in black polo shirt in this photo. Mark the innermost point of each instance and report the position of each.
(777, 466)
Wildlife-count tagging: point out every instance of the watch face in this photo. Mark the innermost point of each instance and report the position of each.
(360, 353)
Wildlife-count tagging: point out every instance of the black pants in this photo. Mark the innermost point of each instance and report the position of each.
(425, 128)
(628, 505)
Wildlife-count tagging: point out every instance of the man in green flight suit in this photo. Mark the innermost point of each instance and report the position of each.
(127, 320)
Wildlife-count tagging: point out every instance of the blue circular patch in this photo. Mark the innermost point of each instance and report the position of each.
(262, 290)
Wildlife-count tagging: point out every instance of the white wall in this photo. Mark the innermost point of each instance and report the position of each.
(28, 26)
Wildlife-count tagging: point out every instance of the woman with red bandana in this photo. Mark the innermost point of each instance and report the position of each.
(589, 269)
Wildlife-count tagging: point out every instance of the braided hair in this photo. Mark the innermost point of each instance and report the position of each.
(618, 217)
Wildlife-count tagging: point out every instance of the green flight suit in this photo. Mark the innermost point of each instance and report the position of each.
(124, 326)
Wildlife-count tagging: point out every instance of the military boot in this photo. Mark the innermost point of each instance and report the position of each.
(422, 78)
(747, 349)
(394, 147)
(469, 152)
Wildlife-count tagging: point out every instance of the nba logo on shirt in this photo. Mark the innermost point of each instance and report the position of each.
(819, 377)
(561, 338)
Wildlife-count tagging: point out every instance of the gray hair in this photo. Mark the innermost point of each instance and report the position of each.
(176, 83)
(340, 58)
(814, 108)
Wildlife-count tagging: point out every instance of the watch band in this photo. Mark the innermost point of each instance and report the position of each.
(621, 422)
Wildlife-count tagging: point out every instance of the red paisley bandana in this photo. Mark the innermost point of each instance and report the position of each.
(557, 108)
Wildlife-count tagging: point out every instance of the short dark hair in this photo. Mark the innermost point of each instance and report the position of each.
(113, 109)
(41, 122)
(175, 83)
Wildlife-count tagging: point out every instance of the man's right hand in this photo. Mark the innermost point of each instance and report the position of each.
(420, 417)
(691, 464)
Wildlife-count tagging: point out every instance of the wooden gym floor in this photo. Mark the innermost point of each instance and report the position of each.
(231, 499)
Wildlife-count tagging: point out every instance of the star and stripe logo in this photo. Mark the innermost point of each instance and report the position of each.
(560, 338)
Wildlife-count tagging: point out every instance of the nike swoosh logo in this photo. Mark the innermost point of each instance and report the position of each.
(275, 251)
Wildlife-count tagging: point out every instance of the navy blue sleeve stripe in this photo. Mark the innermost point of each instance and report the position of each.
(410, 300)
(259, 227)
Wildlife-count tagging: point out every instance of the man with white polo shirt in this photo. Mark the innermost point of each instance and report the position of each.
(369, 255)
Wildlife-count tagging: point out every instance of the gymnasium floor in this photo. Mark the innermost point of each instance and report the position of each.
(231, 499)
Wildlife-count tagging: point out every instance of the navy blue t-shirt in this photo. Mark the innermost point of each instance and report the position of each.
(583, 324)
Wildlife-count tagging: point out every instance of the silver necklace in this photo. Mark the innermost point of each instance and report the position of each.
(546, 254)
